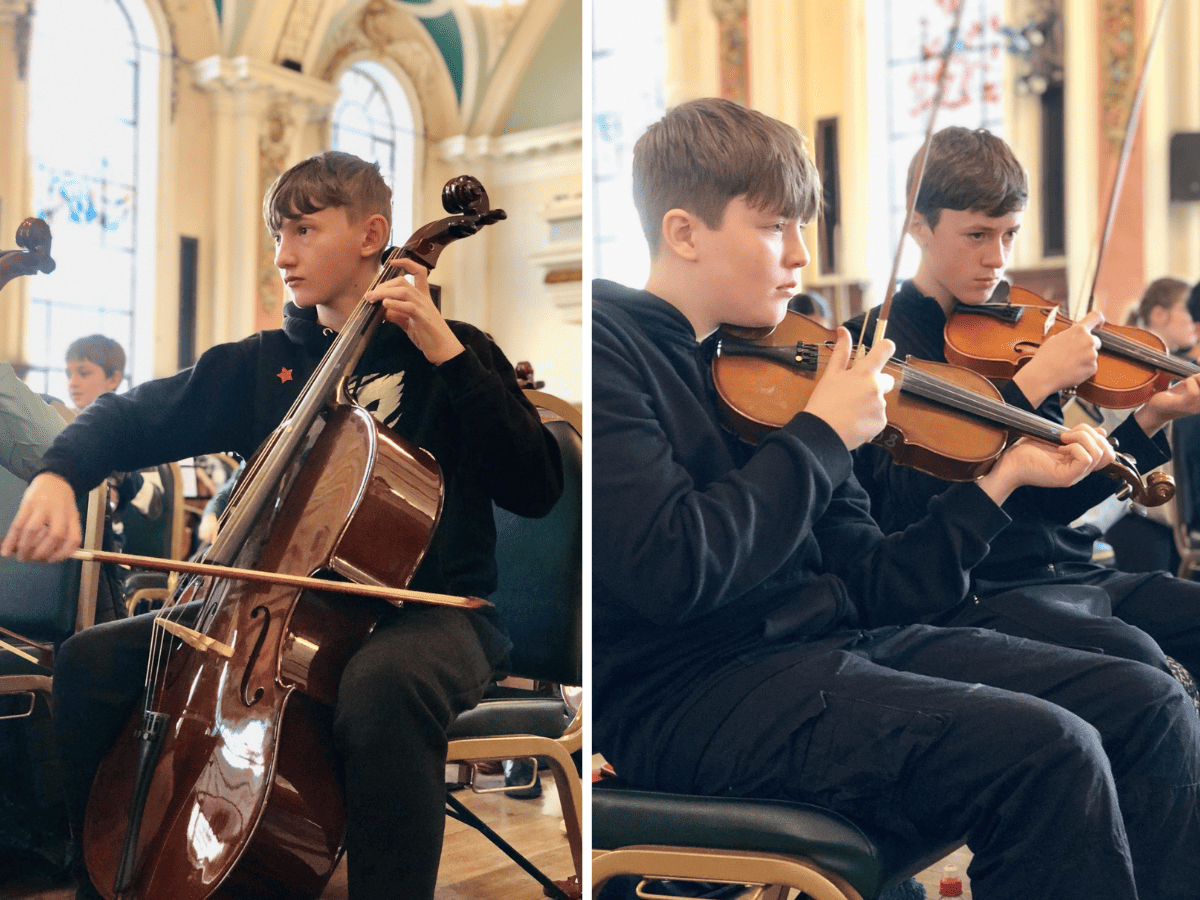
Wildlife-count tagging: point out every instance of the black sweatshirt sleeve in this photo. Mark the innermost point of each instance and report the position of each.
(517, 458)
(205, 409)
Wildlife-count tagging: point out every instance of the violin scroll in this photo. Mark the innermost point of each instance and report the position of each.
(33, 236)
(1157, 489)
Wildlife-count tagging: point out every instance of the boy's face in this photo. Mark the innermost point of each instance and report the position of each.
(749, 265)
(319, 257)
(86, 381)
(964, 256)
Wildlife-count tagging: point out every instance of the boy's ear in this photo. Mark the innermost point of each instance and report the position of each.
(375, 235)
(679, 233)
(113, 381)
(919, 229)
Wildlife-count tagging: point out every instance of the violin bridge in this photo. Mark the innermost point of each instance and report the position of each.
(1050, 317)
(192, 638)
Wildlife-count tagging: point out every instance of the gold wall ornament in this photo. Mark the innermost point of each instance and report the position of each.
(1118, 58)
(734, 49)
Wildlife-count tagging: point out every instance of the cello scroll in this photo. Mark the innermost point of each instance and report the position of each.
(33, 235)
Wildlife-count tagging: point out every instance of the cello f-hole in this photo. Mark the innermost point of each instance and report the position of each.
(254, 654)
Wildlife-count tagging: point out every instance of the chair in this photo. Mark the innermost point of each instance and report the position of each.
(1185, 452)
(540, 599)
(162, 537)
(40, 604)
(773, 844)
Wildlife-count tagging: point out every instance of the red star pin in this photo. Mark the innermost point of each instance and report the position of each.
(284, 375)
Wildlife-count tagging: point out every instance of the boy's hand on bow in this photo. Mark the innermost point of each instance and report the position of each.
(409, 305)
(1066, 359)
(849, 396)
(46, 527)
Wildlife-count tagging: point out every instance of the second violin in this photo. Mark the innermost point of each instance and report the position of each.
(995, 339)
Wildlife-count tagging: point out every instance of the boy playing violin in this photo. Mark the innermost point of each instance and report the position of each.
(1039, 580)
(443, 386)
(750, 620)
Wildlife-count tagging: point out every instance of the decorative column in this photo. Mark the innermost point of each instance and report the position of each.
(734, 49)
(16, 20)
(261, 111)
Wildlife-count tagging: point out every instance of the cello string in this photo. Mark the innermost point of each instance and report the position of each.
(162, 644)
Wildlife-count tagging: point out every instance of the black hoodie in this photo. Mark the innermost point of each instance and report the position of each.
(705, 548)
(468, 412)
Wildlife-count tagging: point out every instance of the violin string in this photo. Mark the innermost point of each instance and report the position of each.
(953, 396)
(1140, 352)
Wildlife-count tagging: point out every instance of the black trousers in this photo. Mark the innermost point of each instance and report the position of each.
(1068, 774)
(417, 671)
(1140, 616)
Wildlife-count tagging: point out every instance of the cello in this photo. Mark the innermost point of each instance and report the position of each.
(226, 776)
(33, 236)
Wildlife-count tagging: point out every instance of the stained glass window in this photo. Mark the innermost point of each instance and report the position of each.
(905, 44)
(373, 120)
(92, 140)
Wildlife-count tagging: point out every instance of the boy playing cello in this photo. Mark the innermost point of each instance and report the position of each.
(442, 385)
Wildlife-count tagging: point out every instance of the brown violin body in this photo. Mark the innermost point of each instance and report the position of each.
(758, 397)
(234, 810)
(944, 420)
(996, 341)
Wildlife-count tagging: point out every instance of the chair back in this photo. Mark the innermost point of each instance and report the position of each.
(1185, 454)
(41, 601)
(161, 537)
(539, 593)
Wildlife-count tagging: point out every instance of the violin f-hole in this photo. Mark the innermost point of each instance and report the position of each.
(253, 657)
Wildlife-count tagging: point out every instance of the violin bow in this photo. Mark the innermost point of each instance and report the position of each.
(1126, 151)
(944, 68)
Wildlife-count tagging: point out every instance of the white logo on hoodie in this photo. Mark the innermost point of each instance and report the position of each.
(379, 395)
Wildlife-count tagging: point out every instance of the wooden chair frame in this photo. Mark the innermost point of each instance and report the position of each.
(556, 751)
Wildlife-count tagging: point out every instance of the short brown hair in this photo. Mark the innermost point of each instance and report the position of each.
(330, 179)
(968, 170)
(1161, 293)
(703, 154)
(100, 350)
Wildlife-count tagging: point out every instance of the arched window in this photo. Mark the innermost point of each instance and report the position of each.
(373, 120)
(905, 42)
(93, 82)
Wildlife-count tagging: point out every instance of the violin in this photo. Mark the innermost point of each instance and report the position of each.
(34, 236)
(225, 780)
(997, 338)
(943, 420)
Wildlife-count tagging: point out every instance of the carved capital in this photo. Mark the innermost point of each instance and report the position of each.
(729, 10)
(243, 75)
